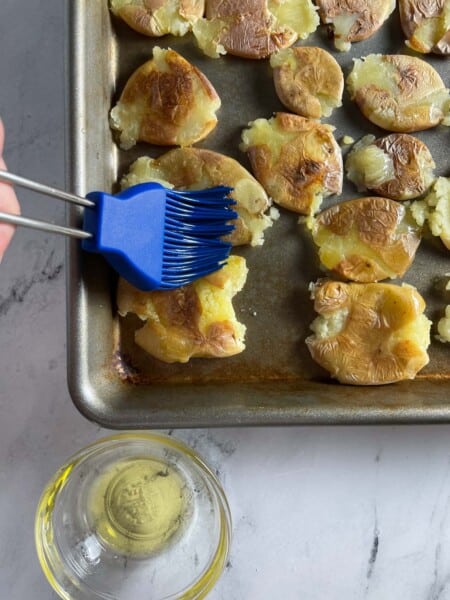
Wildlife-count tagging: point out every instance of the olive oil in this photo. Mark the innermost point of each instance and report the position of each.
(136, 507)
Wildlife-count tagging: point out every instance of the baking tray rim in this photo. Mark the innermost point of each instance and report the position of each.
(303, 409)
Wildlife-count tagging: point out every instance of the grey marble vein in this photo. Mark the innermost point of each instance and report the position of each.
(48, 272)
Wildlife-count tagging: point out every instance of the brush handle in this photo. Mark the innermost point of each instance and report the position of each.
(43, 189)
(43, 226)
(48, 191)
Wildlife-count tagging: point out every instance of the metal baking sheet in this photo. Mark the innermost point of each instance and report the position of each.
(274, 381)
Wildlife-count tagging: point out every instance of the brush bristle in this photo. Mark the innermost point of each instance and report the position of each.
(194, 225)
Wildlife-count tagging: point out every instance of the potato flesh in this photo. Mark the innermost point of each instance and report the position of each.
(143, 170)
(332, 249)
(301, 16)
(342, 25)
(207, 34)
(249, 195)
(329, 325)
(327, 104)
(397, 166)
(127, 119)
(430, 31)
(435, 210)
(417, 332)
(372, 71)
(216, 301)
(369, 166)
(443, 326)
(212, 330)
(283, 57)
(261, 132)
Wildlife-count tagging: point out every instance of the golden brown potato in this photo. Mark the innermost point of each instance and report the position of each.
(194, 169)
(297, 160)
(197, 320)
(253, 28)
(308, 81)
(426, 25)
(367, 239)
(166, 101)
(159, 17)
(434, 210)
(399, 93)
(398, 166)
(369, 333)
(354, 20)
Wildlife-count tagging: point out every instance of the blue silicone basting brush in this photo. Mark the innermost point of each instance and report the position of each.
(156, 238)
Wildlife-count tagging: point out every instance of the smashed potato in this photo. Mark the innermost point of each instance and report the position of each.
(426, 25)
(398, 166)
(354, 20)
(399, 93)
(434, 209)
(443, 326)
(166, 101)
(195, 169)
(297, 160)
(367, 239)
(369, 333)
(197, 320)
(253, 28)
(308, 81)
(159, 17)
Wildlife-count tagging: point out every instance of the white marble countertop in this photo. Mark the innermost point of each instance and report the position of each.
(319, 513)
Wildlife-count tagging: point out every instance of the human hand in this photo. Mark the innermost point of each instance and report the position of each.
(8, 201)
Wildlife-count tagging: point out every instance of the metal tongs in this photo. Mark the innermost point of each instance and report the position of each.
(154, 237)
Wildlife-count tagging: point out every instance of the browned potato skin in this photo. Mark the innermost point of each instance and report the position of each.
(359, 353)
(375, 221)
(249, 33)
(317, 73)
(170, 98)
(173, 331)
(412, 14)
(404, 149)
(410, 79)
(294, 179)
(139, 16)
(371, 15)
(179, 311)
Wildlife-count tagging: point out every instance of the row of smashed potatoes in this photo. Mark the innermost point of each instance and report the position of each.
(366, 332)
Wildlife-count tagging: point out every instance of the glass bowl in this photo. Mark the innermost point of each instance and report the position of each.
(135, 515)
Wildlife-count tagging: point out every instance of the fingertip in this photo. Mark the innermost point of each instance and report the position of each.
(6, 235)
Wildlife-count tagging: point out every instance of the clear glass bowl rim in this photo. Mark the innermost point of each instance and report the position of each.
(200, 588)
